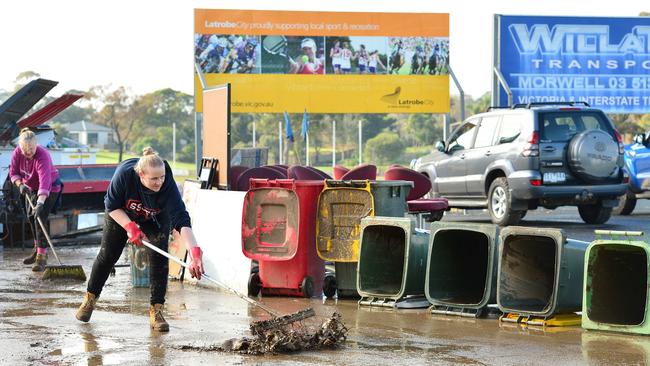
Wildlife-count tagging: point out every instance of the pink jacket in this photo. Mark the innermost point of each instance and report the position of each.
(38, 173)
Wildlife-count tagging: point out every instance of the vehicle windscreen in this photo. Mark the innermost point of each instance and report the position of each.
(563, 125)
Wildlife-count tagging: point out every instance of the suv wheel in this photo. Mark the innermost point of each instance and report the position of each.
(595, 213)
(500, 202)
(626, 203)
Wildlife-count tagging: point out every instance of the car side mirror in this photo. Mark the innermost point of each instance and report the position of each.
(640, 138)
(440, 146)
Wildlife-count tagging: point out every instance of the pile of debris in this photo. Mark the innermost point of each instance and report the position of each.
(283, 339)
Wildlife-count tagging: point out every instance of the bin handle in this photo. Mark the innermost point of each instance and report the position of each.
(618, 233)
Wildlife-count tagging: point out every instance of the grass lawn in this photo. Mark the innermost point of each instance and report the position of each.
(110, 157)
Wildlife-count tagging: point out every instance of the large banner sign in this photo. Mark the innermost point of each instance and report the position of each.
(602, 61)
(325, 62)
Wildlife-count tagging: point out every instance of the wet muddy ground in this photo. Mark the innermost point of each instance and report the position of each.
(37, 326)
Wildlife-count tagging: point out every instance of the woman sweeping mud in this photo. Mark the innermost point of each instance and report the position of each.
(31, 170)
(142, 203)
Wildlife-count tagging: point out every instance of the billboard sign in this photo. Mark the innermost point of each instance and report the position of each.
(325, 62)
(602, 61)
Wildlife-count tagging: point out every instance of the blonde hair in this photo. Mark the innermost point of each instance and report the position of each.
(26, 136)
(149, 159)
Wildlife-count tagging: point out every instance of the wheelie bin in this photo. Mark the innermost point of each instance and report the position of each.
(615, 294)
(462, 268)
(540, 276)
(279, 231)
(341, 206)
(392, 263)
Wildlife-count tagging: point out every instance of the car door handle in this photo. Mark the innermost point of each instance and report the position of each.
(488, 153)
(462, 156)
(548, 148)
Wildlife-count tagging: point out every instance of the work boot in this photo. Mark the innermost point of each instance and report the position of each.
(40, 263)
(86, 308)
(31, 259)
(156, 318)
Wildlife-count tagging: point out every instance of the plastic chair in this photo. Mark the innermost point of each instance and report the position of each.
(298, 172)
(319, 172)
(235, 172)
(361, 172)
(424, 209)
(278, 169)
(243, 182)
(338, 171)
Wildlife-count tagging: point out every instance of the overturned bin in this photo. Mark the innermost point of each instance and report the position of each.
(462, 268)
(279, 230)
(341, 206)
(392, 263)
(616, 283)
(539, 276)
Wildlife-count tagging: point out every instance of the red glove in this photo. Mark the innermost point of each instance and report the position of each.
(196, 266)
(134, 233)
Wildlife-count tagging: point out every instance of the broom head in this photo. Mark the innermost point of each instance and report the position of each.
(70, 272)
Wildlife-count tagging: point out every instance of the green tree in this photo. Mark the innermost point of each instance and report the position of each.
(117, 110)
(384, 148)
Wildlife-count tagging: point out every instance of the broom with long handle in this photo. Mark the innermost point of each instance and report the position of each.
(61, 271)
(279, 319)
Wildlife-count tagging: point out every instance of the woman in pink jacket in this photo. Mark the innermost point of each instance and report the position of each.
(32, 171)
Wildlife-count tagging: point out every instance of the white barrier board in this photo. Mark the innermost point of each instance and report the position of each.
(216, 222)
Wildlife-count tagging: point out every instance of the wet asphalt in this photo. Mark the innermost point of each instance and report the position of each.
(38, 327)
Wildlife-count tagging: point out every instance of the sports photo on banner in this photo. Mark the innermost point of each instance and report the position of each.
(356, 55)
(293, 55)
(227, 54)
(418, 56)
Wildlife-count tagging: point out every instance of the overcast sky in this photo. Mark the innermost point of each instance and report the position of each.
(147, 45)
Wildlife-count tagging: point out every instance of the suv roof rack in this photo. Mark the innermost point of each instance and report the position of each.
(537, 104)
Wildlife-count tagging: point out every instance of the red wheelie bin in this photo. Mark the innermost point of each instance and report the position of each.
(279, 231)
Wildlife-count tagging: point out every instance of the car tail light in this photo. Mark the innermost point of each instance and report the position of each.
(619, 139)
(536, 182)
(531, 149)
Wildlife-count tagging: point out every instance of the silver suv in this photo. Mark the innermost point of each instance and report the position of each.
(530, 155)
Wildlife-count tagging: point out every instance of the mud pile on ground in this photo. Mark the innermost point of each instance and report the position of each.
(284, 339)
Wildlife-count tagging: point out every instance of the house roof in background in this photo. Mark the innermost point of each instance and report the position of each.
(86, 126)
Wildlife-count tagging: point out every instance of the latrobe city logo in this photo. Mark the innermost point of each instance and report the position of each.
(396, 102)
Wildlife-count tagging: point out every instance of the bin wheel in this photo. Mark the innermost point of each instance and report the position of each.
(329, 286)
(254, 284)
(307, 287)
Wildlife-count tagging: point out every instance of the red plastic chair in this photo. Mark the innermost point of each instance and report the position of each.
(235, 172)
(338, 171)
(298, 172)
(319, 172)
(427, 209)
(243, 182)
(278, 169)
(361, 172)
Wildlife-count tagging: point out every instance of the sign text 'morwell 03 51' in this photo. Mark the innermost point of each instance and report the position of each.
(602, 61)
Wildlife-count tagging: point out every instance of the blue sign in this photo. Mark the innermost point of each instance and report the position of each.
(602, 61)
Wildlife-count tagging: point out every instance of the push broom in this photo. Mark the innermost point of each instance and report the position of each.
(256, 327)
(61, 271)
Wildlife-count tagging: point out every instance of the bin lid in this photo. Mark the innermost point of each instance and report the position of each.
(390, 183)
(270, 224)
(341, 206)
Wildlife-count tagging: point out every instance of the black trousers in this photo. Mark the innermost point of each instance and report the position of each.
(113, 241)
(47, 208)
